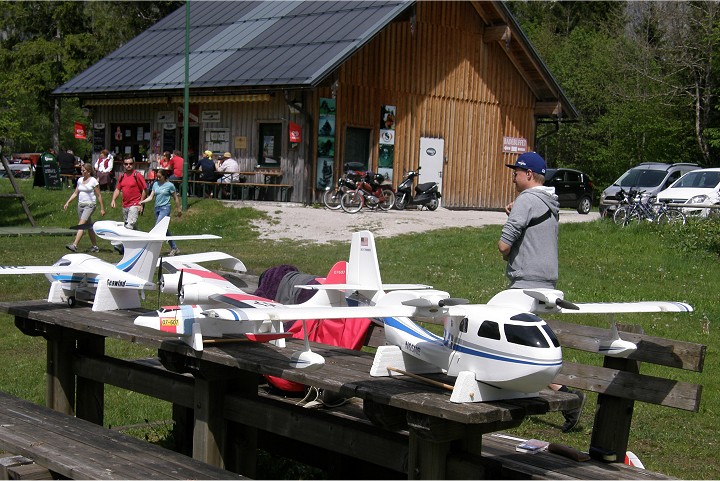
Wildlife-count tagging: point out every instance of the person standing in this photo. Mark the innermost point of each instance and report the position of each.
(176, 164)
(104, 168)
(88, 194)
(132, 187)
(529, 242)
(161, 191)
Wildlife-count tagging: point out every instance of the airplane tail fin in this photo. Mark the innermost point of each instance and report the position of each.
(363, 268)
(141, 254)
(331, 297)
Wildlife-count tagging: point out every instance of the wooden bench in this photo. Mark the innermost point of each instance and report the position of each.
(77, 449)
(241, 190)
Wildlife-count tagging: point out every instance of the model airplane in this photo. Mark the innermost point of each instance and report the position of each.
(499, 350)
(204, 289)
(83, 277)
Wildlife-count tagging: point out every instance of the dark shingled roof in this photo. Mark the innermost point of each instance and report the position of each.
(238, 45)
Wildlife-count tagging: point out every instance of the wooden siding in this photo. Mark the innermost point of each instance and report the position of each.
(445, 82)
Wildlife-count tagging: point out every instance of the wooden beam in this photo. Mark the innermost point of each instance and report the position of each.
(497, 33)
(548, 109)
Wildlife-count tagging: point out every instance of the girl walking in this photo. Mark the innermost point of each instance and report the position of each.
(161, 191)
(88, 195)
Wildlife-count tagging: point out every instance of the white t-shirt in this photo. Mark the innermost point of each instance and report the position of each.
(86, 191)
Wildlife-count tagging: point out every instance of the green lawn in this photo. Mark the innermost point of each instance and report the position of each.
(598, 262)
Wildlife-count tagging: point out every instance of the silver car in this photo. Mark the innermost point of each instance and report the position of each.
(651, 177)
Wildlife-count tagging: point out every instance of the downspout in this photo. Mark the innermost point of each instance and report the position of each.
(308, 120)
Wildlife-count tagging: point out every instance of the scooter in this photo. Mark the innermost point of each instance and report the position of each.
(426, 194)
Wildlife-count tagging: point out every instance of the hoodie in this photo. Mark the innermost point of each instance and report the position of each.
(531, 231)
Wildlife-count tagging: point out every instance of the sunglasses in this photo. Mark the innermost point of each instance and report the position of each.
(128, 163)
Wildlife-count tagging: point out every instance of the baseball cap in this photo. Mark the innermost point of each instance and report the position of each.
(529, 161)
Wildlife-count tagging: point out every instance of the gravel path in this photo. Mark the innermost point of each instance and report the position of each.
(320, 225)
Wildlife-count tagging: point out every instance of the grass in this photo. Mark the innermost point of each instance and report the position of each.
(598, 262)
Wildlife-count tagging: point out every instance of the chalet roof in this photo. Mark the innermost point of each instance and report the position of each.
(246, 47)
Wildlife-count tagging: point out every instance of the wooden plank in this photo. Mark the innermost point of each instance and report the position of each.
(78, 449)
(628, 385)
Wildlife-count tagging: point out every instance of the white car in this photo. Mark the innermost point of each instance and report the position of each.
(696, 187)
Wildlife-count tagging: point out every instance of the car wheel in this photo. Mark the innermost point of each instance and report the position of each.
(585, 205)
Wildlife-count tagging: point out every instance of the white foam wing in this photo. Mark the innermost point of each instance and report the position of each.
(620, 307)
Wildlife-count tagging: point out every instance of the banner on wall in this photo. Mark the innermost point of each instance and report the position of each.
(386, 155)
(295, 132)
(325, 144)
(80, 131)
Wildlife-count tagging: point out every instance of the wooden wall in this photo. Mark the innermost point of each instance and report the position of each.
(445, 82)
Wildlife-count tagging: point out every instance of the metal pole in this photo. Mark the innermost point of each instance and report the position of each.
(186, 106)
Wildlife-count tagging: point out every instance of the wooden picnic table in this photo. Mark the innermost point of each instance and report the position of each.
(221, 384)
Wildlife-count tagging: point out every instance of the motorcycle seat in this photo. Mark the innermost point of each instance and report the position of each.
(425, 186)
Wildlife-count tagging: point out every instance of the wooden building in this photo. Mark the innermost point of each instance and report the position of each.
(307, 87)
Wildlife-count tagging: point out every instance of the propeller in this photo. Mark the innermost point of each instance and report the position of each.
(180, 290)
(159, 281)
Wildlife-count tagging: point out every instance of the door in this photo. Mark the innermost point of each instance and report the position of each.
(432, 155)
(357, 149)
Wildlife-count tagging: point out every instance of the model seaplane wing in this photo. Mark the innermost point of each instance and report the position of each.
(620, 307)
(226, 260)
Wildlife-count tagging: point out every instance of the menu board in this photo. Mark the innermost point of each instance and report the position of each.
(98, 138)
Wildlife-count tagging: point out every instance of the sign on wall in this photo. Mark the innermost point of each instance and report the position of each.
(326, 144)
(386, 155)
(514, 145)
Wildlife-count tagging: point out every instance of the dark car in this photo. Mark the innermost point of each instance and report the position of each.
(573, 188)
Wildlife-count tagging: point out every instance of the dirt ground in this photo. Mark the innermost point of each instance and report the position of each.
(320, 225)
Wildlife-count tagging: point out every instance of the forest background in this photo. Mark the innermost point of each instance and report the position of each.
(643, 75)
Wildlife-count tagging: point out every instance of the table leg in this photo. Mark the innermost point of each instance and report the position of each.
(60, 382)
(90, 403)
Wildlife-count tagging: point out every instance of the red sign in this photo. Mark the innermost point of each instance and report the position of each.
(80, 131)
(295, 133)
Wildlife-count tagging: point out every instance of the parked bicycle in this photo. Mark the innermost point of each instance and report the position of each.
(635, 207)
(332, 197)
(371, 192)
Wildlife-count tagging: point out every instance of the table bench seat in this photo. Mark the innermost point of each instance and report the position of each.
(78, 449)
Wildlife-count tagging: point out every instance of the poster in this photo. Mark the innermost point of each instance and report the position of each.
(326, 144)
(386, 141)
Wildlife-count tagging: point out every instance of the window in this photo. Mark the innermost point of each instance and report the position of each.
(463, 325)
(270, 140)
(525, 335)
(357, 147)
(489, 330)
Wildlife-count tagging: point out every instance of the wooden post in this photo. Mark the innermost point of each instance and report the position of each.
(90, 402)
(60, 382)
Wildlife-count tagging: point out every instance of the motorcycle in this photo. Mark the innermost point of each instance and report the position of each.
(348, 182)
(426, 194)
(370, 192)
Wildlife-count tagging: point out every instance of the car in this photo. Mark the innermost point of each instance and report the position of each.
(650, 177)
(573, 188)
(700, 186)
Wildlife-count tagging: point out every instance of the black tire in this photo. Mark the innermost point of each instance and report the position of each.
(389, 201)
(585, 205)
(331, 199)
(71, 301)
(672, 216)
(433, 204)
(401, 201)
(352, 201)
(620, 216)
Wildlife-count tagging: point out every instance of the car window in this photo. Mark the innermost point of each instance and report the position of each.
(572, 176)
(641, 178)
(700, 179)
(553, 174)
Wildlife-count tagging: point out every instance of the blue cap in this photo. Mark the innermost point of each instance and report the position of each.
(530, 161)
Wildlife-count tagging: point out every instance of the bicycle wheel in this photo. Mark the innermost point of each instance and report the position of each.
(352, 201)
(620, 215)
(672, 216)
(388, 199)
(635, 216)
(331, 199)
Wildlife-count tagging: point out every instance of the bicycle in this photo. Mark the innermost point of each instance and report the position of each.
(636, 210)
(332, 197)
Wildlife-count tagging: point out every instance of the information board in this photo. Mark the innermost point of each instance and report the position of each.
(50, 176)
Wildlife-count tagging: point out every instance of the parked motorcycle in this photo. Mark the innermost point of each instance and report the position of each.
(332, 197)
(426, 194)
(370, 192)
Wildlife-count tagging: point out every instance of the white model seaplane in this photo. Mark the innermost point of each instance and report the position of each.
(499, 350)
(199, 289)
(83, 277)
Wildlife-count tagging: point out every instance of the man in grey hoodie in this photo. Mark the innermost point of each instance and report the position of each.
(529, 242)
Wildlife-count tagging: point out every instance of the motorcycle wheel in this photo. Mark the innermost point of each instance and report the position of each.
(331, 199)
(389, 197)
(351, 202)
(400, 201)
(433, 204)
